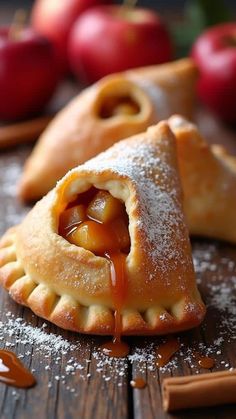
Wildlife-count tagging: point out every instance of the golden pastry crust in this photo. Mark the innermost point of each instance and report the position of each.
(79, 133)
(71, 287)
(208, 177)
(170, 86)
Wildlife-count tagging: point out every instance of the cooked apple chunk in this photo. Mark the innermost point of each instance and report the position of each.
(104, 207)
(72, 217)
(128, 108)
(123, 105)
(96, 237)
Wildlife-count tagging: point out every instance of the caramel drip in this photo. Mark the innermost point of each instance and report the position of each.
(166, 350)
(118, 288)
(111, 248)
(13, 372)
(117, 348)
(138, 382)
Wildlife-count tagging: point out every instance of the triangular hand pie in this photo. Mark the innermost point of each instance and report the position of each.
(114, 108)
(108, 248)
(208, 177)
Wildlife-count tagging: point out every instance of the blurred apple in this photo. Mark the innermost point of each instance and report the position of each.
(215, 55)
(54, 19)
(28, 73)
(109, 39)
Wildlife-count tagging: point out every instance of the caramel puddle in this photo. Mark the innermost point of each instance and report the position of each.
(166, 350)
(138, 382)
(13, 372)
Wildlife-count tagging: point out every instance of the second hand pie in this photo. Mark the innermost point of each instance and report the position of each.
(114, 108)
(107, 251)
(208, 178)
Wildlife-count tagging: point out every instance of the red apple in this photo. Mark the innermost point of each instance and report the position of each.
(28, 73)
(109, 39)
(54, 19)
(215, 54)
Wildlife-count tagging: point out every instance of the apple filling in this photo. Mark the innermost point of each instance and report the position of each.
(118, 105)
(98, 222)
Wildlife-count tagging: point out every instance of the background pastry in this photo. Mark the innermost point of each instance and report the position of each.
(112, 109)
(61, 262)
(208, 177)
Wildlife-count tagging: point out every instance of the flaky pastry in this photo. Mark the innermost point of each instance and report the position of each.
(110, 237)
(208, 177)
(114, 108)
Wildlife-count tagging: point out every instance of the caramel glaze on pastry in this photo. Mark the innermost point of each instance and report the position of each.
(208, 177)
(114, 108)
(59, 266)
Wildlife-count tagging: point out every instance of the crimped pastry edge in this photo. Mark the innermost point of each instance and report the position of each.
(67, 313)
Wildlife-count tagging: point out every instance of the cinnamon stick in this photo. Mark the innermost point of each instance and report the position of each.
(201, 390)
(22, 132)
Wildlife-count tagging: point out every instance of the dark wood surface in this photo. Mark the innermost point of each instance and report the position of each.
(98, 388)
(78, 382)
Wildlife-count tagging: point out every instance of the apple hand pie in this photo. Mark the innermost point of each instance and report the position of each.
(208, 177)
(107, 250)
(114, 108)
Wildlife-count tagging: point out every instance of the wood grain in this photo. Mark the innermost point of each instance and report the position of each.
(147, 403)
(95, 398)
(87, 393)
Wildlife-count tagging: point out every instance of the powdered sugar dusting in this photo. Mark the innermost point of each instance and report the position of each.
(155, 181)
(27, 334)
(218, 284)
(161, 100)
(10, 171)
(61, 357)
(220, 287)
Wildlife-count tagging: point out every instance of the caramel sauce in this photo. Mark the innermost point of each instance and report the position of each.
(166, 350)
(138, 382)
(13, 372)
(113, 244)
(117, 348)
(206, 362)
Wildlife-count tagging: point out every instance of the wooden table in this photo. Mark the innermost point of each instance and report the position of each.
(73, 379)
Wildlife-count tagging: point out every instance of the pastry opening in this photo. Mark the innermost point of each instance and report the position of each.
(98, 222)
(118, 105)
(118, 98)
